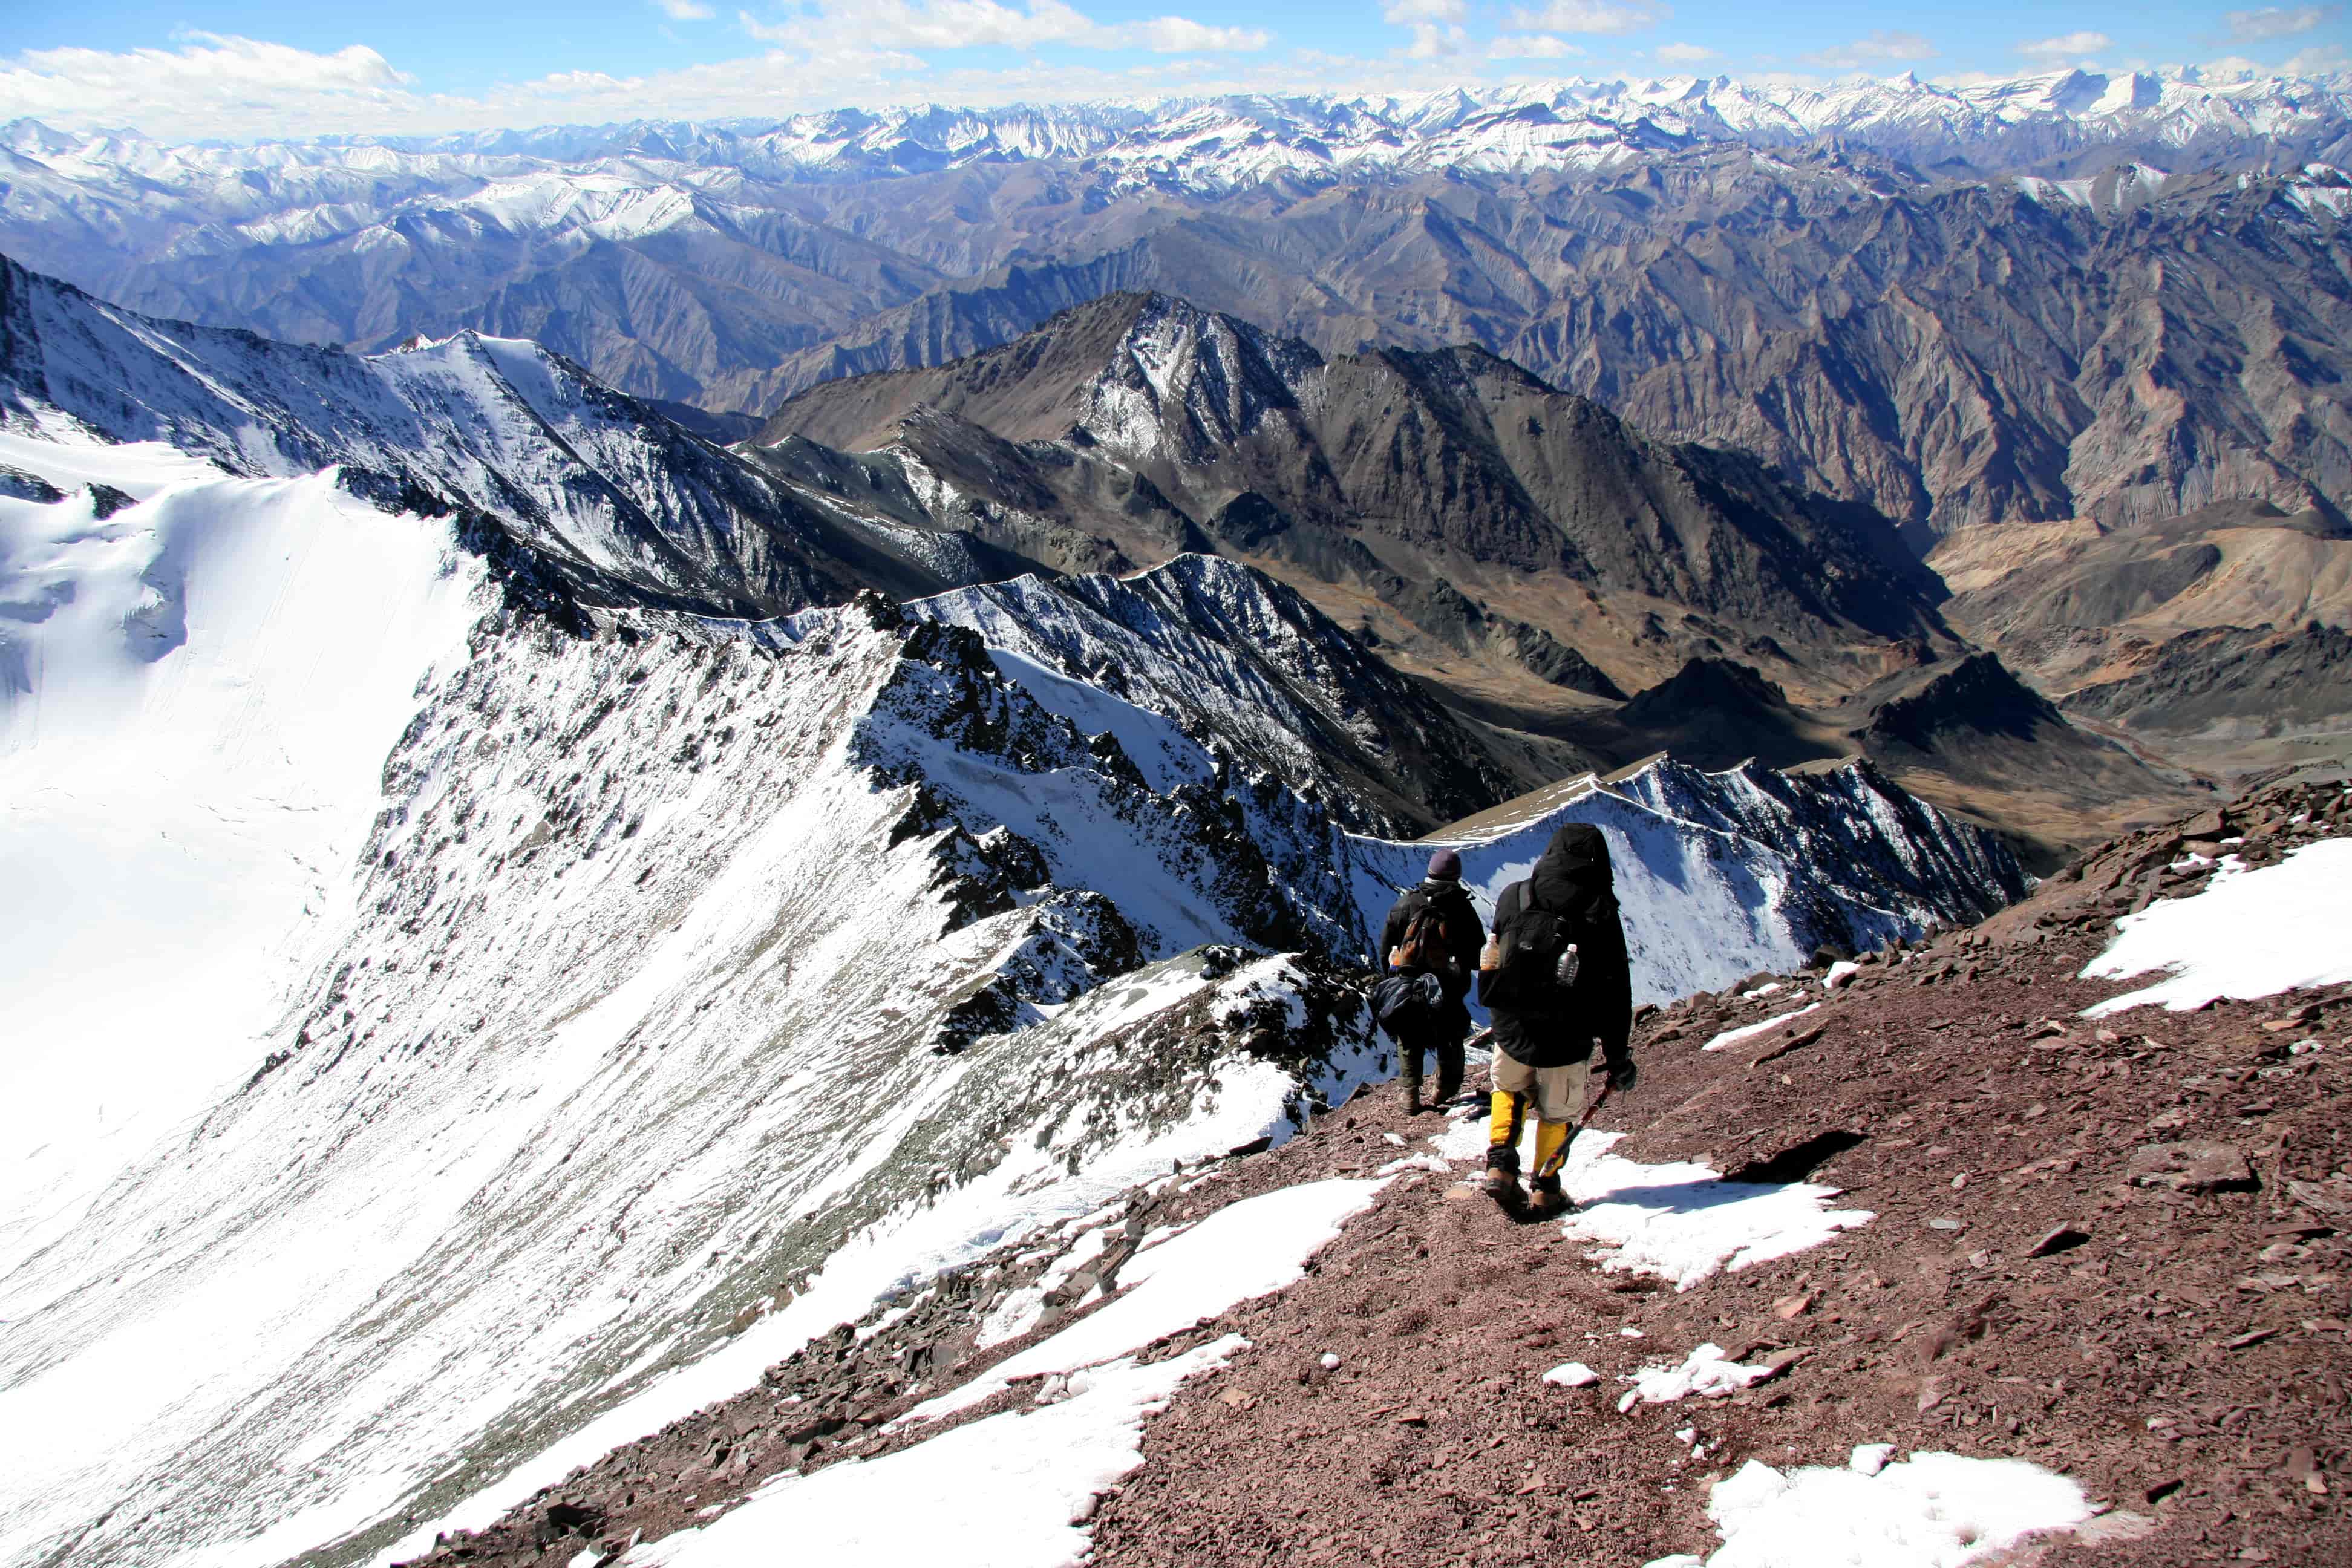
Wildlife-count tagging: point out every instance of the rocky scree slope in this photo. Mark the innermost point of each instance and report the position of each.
(2114, 1247)
(2231, 682)
(2206, 639)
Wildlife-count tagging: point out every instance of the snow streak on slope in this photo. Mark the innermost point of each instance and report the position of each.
(1010, 1492)
(197, 690)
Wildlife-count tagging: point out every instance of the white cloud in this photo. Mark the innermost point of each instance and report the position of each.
(1876, 52)
(1588, 16)
(242, 89)
(2320, 59)
(1406, 12)
(978, 23)
(208, 78)
(1181, 36)
(2066, 47)
(686, 10)
(2274, 22)
(1530, 46)
(1430, 42)
(1684, 54)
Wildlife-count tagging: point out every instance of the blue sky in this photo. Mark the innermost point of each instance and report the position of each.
(274, 68)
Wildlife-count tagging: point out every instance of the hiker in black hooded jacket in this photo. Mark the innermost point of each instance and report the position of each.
(1543, 1057)
(1464, 933)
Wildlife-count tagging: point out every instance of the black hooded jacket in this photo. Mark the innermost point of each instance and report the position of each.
(1573, 879)
(1465, 933)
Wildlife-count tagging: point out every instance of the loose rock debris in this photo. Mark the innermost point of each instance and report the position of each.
(2115, 1249)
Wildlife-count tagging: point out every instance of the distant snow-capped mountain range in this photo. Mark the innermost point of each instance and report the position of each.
(1219, 143)
(625, 181)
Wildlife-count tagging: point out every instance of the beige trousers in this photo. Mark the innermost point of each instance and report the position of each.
(1558, 1092)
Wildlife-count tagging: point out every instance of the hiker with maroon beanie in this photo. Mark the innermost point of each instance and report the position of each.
(1435, 929)
(1558, 982)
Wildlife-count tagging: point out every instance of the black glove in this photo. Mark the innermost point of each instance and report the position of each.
(1623, 1076)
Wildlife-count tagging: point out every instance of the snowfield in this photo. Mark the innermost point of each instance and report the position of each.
(197, 696)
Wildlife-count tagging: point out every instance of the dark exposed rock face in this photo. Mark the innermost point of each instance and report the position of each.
(1975, 697)
(29, 486)
(2235, 679)
(1716, 685)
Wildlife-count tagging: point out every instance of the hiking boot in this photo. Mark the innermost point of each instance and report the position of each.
(1550, 1201)
(1503, 1182)
(1413, 1099)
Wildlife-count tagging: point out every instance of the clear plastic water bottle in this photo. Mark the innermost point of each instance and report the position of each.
(1569, 961)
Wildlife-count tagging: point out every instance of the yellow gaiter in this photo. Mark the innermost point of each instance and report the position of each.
(1551, 1147)
(1502, 1119)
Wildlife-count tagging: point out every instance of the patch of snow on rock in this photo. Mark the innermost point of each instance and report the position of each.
(1015, 1491)
(1707, 1372)
(1749, 1031)
(1680, 1220)
(2252, 933)
(1248, 1250)
(1932, 1510)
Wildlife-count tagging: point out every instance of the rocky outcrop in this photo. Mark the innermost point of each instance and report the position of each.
(2233, 680)
(1406, 476)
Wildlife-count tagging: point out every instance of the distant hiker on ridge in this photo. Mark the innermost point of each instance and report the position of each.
(1558, 981)
(1433, 930)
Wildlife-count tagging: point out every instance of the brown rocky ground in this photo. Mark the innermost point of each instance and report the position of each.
(2118, 1249)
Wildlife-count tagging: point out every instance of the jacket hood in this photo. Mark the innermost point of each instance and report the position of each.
(1573, 876)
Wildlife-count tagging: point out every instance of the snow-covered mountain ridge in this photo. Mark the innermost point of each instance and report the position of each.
(621, 996)
(591, 480)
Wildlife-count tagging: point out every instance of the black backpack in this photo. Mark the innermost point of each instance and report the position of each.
(1530, 943)
(1408, 1005)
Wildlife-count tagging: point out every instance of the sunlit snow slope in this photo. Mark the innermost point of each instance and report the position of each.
(197, 691)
